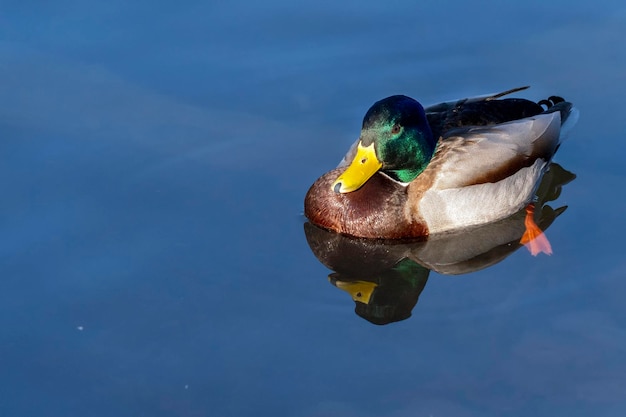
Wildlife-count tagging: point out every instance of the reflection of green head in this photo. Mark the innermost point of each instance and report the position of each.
(390, 296)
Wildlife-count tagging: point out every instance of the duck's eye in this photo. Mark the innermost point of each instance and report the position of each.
(396, 129)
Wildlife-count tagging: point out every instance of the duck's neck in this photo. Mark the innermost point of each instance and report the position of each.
(404, 175)
(411, 156)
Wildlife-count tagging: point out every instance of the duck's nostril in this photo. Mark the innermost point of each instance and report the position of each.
(337, 188)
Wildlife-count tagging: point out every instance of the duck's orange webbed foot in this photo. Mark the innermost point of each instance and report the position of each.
(534, 239)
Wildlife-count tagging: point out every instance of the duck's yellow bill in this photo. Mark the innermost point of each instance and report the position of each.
(363, 166)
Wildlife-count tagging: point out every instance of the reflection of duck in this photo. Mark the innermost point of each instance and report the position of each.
(385, 278)
(382, 279)
(415, 173)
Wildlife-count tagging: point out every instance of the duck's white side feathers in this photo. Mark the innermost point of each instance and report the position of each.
(458, 208)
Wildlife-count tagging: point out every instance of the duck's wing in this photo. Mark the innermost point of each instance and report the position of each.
(488, 154)
(485, 110)
(448, 105)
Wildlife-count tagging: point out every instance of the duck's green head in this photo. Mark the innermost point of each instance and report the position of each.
(395, 138)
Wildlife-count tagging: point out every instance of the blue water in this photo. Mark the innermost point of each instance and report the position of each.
(153, 259)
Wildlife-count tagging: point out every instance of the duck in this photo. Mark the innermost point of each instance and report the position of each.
(418, 171)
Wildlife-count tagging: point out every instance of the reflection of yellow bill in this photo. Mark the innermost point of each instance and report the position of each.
(360, 291)
(363, 166)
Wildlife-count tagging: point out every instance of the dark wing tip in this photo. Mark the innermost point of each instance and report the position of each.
(507, 92)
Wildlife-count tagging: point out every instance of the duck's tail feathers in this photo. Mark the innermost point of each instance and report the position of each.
(569, 113)
(570, 121)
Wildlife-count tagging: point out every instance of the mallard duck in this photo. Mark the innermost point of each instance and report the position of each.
(414, 172)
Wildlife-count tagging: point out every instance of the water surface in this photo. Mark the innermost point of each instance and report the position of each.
(153, 257)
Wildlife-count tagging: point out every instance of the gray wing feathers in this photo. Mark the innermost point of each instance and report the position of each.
(477, 155)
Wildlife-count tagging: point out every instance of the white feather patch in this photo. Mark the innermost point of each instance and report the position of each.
(457, 208)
